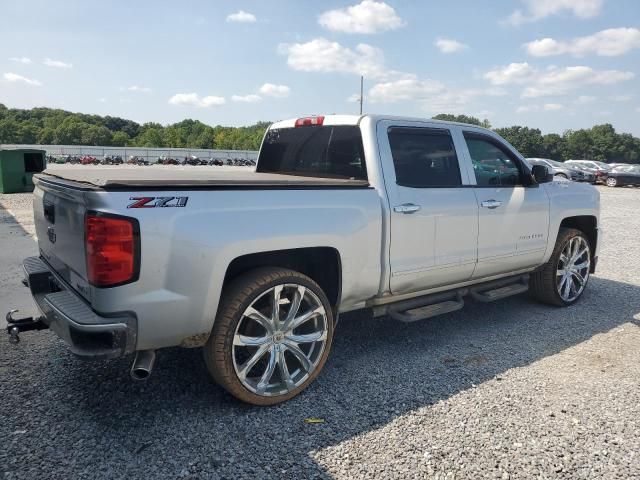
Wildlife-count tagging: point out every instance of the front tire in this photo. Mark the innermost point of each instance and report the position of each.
(563, 279)
(271, 337)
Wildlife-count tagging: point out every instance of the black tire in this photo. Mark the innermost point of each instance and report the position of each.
(542, 284)
(236, 298)
(562, 175)
(611, 182)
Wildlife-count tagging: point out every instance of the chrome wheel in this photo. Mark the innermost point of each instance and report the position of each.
(573, 269)
(611, 182)
(280, 339)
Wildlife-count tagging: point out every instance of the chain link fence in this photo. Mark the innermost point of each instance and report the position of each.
(149, 154)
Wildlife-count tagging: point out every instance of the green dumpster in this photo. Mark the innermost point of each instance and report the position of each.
(17, 166)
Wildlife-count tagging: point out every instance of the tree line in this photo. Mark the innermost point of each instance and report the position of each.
(48, 126)
(600, 142)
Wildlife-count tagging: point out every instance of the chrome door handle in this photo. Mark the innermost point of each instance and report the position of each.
(491, 204)
(406, 208)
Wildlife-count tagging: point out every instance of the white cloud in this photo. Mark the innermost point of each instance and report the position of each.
(251, 98)
(15, 78)
(56, 63)
(241, 17)
(24, 60)
(527, 108)
(512, 73)
(194, 100)
(434, 96)
(102, 100)
(539, 9)
(321, 55)
(607, 43)
(447, 45)
(366, 17)
(552, 107)
(137, 88)
(405, 89)
(584, 99)
(554, 80)
(557, 81)
(272, 90)
(621, 98)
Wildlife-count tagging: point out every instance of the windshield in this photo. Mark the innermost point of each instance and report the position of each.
(327, 151)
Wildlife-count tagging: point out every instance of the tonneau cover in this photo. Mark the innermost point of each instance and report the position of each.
(189, 176)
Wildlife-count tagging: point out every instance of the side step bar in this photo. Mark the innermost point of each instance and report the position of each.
(428, 306)
(492, 291)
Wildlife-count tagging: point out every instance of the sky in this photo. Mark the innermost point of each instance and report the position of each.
(549, 64)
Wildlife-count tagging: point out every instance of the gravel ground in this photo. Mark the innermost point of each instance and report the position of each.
(506, 390)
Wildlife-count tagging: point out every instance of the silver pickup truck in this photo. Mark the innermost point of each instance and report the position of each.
(406, 217)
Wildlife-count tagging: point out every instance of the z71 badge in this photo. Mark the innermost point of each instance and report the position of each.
(152, 202)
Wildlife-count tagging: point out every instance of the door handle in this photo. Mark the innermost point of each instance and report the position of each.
(406, 208)
(491, 204)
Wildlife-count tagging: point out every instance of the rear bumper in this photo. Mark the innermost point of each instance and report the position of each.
(89, 334)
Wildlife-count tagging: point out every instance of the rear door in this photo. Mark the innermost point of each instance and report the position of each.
(513, 215)
(434, 213)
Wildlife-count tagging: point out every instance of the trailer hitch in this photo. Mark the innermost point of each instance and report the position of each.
(15, 326)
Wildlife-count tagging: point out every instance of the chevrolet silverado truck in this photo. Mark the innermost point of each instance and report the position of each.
(409, 218)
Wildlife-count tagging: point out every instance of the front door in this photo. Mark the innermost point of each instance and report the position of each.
(513, 214)
(434, 213)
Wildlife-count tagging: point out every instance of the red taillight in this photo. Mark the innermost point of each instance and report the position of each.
(111, 245)
(310, 121)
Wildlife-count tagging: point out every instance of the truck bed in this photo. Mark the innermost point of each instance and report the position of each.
(137, 177)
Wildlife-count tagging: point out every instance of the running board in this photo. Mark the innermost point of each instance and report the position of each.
(428, 307)
(492, 292)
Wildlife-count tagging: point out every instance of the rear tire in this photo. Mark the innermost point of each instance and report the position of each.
(262, 357)
(611, 182)
(563, 279)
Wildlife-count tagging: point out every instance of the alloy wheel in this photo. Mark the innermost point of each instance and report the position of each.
(573, 269)
(279, 340)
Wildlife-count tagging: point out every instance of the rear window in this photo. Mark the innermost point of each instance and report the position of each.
(327, 151)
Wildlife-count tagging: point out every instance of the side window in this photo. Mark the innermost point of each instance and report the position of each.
(424, 157)
(493, 164)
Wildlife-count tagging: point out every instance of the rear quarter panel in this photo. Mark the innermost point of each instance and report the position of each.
(185, 251)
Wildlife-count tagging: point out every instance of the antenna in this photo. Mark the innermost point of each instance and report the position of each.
(361, 92)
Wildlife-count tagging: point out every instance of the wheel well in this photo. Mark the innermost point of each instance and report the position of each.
(322, 264)
(586, 224)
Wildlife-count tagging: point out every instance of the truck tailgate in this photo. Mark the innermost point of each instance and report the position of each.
(59, 220)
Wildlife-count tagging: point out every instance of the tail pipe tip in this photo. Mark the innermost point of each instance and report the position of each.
(143, 364)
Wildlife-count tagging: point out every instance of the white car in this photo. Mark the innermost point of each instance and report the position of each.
(405, 216)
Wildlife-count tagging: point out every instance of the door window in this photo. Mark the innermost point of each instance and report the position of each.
(424, 157)
(493, 164)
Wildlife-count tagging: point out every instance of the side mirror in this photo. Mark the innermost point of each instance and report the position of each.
(541, 174)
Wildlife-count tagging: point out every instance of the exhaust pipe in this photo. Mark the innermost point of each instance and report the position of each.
(143, 364)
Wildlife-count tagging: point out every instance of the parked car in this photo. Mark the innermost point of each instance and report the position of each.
(559, 170)
(600, 168)
(621, 176)
(343, 212)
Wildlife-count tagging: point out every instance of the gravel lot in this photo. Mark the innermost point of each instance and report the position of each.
(506, 390)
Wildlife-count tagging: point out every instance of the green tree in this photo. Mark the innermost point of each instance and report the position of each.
(463, 119)
(528, 141)
(553, 147)
(96, 135)
(120, 139)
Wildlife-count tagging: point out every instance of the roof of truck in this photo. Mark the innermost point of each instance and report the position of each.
(339, 119)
